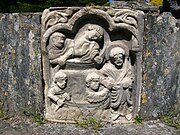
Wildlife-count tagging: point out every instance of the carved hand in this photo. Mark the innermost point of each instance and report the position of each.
(107, 82)
(67, 96)
(98, 59)
(61, 62)
(117, 86)
(125, 84)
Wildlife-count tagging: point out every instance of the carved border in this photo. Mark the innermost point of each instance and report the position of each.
(54, 19)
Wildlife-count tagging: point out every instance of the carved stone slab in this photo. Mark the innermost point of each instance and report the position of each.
(91, 63)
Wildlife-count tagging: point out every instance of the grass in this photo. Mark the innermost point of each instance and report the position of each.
(35, 117)
(172, 120)
(89, 123)
(138, 120)
(1, 113)
(38, 118)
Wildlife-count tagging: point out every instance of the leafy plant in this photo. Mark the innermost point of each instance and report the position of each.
(1, 113)
(35, 116)
(40, 5)
(89, 123)
(39, 118)
(172, 120)
(156, 2)
(138, 120)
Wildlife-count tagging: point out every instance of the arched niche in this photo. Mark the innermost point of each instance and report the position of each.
(82, 45)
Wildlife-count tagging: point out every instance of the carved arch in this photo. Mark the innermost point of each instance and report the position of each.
(121, 19)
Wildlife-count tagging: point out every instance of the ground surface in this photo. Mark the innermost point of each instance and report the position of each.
(14, 126)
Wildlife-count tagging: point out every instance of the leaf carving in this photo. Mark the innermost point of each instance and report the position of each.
(127, 17)
(55, 17)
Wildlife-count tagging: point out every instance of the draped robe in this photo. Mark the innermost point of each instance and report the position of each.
(121, 95)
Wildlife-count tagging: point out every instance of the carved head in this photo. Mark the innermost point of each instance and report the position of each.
(60, 79)
(117, 56)
(92, 81)
(94, 32)
(57, 39)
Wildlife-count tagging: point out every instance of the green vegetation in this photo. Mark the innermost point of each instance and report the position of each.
(172, 120)
(3, 114)
(39, 5)
(138, 120)
(89, 123)
(38, 118)
(35, 117)
(156, 2)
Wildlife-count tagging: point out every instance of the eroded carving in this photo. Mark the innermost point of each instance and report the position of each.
(96, 93)
(126, 16)
(118, 78)
(56, 92)
(86, 43)
(84, 47)
(59, 49)
(96, 49)
(53, 17)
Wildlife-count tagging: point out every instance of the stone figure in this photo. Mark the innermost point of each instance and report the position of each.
(56, 92)
(86, 44)
(118, 78)
(58, 50)
(97, 48)
(96, 93)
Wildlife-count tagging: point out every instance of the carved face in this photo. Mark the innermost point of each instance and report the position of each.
(118, 59)
(59, 41)
(61, 82)
(94, 84)
(94, 34)
(117, 56)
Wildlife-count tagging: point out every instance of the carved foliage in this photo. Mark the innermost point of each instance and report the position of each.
(126, 16)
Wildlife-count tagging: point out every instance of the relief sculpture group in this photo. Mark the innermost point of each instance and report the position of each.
(89, 69)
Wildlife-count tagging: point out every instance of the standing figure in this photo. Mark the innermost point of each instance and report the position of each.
(118, 78)
(56, 92)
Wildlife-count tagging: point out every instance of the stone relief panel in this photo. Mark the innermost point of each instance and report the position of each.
(91, 63)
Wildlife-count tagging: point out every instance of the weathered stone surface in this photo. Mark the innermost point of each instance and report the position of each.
(22, 127)
(161, 66)
(142, 5)
(103, 47)
(20, 63)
